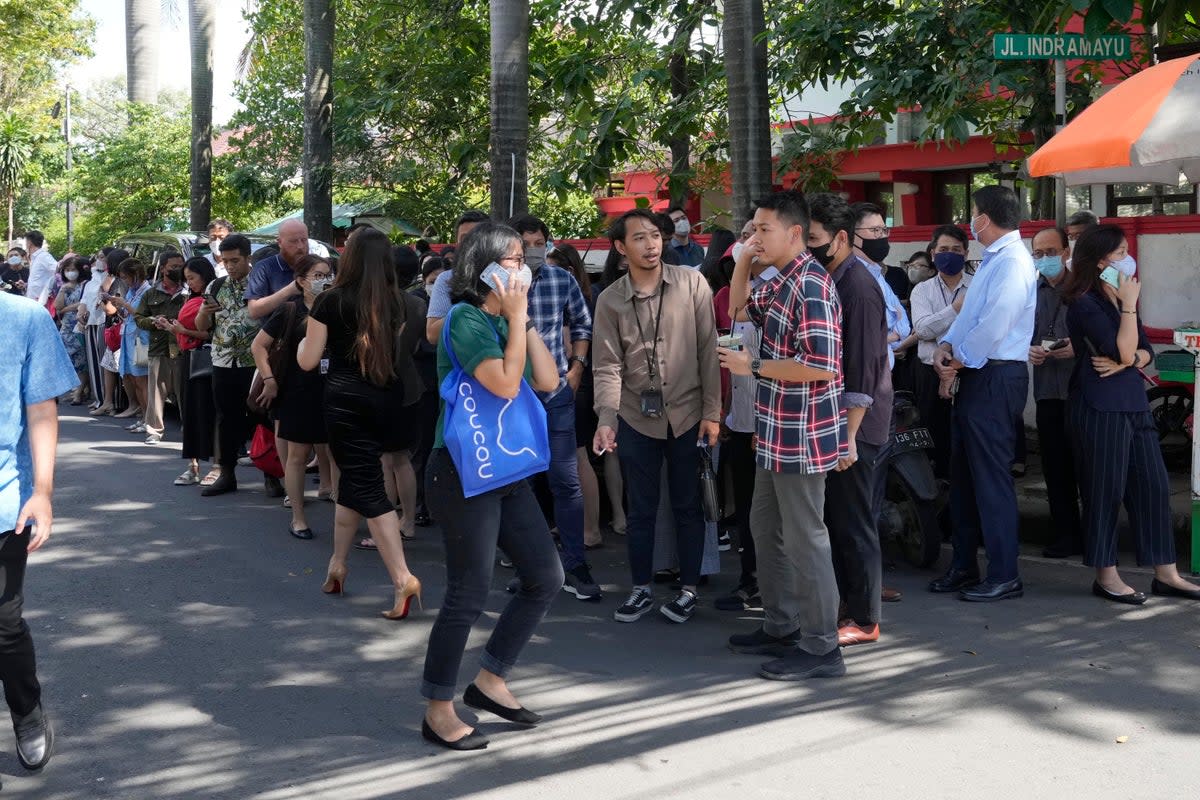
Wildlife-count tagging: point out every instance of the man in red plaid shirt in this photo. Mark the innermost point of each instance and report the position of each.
(801, 435)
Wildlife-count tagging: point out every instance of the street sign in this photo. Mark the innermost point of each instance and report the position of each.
(1028, 46)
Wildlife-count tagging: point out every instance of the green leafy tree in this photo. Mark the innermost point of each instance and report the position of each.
(17, 143)
(929, 55)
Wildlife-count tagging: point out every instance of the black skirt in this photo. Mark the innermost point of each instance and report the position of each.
(300, 410)
(363, 422)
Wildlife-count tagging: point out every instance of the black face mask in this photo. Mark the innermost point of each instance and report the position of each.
(875, 249)
(821, 253)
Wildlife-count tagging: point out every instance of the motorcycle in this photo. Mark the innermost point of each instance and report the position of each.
(912, 495)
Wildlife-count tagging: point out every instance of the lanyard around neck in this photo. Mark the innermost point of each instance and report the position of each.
(651, 359)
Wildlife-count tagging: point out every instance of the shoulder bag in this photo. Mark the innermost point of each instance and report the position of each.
(494, 442)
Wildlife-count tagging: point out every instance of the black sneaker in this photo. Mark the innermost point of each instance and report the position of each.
(579, 583)
(724, 542)
(761, 643)
(681, 608)
(800, 665)
(513, 586)
(744, 598)
(637, 606)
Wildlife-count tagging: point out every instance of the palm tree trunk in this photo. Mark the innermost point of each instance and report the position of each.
(508, 148)
(678, 182)
(141, 50)
(10, 220)
(749, 105)
(318, 118)
(202, 22)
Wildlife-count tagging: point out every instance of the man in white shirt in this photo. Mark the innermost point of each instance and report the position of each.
(42, 268)
(935, 305)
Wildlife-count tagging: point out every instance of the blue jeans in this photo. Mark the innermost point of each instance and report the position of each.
(563, 477)
(641, 463)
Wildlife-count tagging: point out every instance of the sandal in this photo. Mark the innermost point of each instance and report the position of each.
(187, 478)
(212, 477)
(365, 543)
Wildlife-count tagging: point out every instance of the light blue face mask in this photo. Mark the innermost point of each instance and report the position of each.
(1050, 266)
(1125, 265)
(1111, 276)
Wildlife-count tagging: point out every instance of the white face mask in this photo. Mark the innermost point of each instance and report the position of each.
(683, 227)
(71, 275)
(319, 285)
(738, 249)
(14, 261)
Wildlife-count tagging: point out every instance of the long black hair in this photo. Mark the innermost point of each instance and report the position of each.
(368, 278)
(1092, 247)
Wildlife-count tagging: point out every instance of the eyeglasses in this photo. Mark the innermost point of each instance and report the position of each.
(1046, 253)
(878, 232)
(319, 276)
(512, 260)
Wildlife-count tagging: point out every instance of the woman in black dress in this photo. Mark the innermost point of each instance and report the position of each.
(362, 323)
(296, 397)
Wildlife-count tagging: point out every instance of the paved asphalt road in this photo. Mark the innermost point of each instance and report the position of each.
(187, 652)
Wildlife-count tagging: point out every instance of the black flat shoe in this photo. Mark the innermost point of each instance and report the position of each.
(472, 741)
(1131, 599)
(1167, 590)
(476, 699)
(300, 533)
(35, 739)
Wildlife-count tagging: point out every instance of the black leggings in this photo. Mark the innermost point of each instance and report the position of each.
(508, 517)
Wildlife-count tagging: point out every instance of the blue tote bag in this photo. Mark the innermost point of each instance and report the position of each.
(493, 441)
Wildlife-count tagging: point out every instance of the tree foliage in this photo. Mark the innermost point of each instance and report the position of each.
(411, 81)
(134, 177)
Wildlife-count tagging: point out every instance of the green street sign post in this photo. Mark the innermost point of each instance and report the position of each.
(1072, 46)
(1059, 47)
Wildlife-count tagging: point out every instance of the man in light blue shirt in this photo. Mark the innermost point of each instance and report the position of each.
(34, 370)
(987, 348)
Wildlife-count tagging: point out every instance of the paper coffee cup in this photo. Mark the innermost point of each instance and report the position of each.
(730, 341)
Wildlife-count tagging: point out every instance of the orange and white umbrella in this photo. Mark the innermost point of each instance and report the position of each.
(1144, 130)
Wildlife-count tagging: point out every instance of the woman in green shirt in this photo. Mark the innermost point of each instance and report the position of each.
(490, 335)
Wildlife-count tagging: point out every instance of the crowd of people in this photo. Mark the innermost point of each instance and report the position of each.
(499, 389)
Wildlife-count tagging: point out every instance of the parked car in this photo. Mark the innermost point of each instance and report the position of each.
(146, 247)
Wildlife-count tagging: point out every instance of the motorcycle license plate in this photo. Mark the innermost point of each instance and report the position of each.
(915, 439)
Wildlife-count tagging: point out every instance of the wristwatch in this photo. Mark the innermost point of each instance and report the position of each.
(583, 362)
(755, 366)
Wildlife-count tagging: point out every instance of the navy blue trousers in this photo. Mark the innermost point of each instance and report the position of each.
(1118, 460)
(983, 500)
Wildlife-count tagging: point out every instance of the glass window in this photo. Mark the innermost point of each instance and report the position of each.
(1137, 199)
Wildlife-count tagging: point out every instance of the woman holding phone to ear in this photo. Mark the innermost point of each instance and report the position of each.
(1115, 438)
(494, 341)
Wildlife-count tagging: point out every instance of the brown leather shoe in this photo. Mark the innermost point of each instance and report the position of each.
(852, 634)
(891, 595)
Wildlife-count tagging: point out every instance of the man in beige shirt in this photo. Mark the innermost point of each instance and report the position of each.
(658, 396)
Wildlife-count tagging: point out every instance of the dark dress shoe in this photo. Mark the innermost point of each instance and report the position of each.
(222, 485)
(472, 741)
(1131, 599)
(988, 592)
(1060, 550)
(35, 739)
(1167, 590)
(954, 580)
(273, 487)
(478, 700)
(422, 519)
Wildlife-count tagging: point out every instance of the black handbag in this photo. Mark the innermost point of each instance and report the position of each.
(200, 362)
(709, 498)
